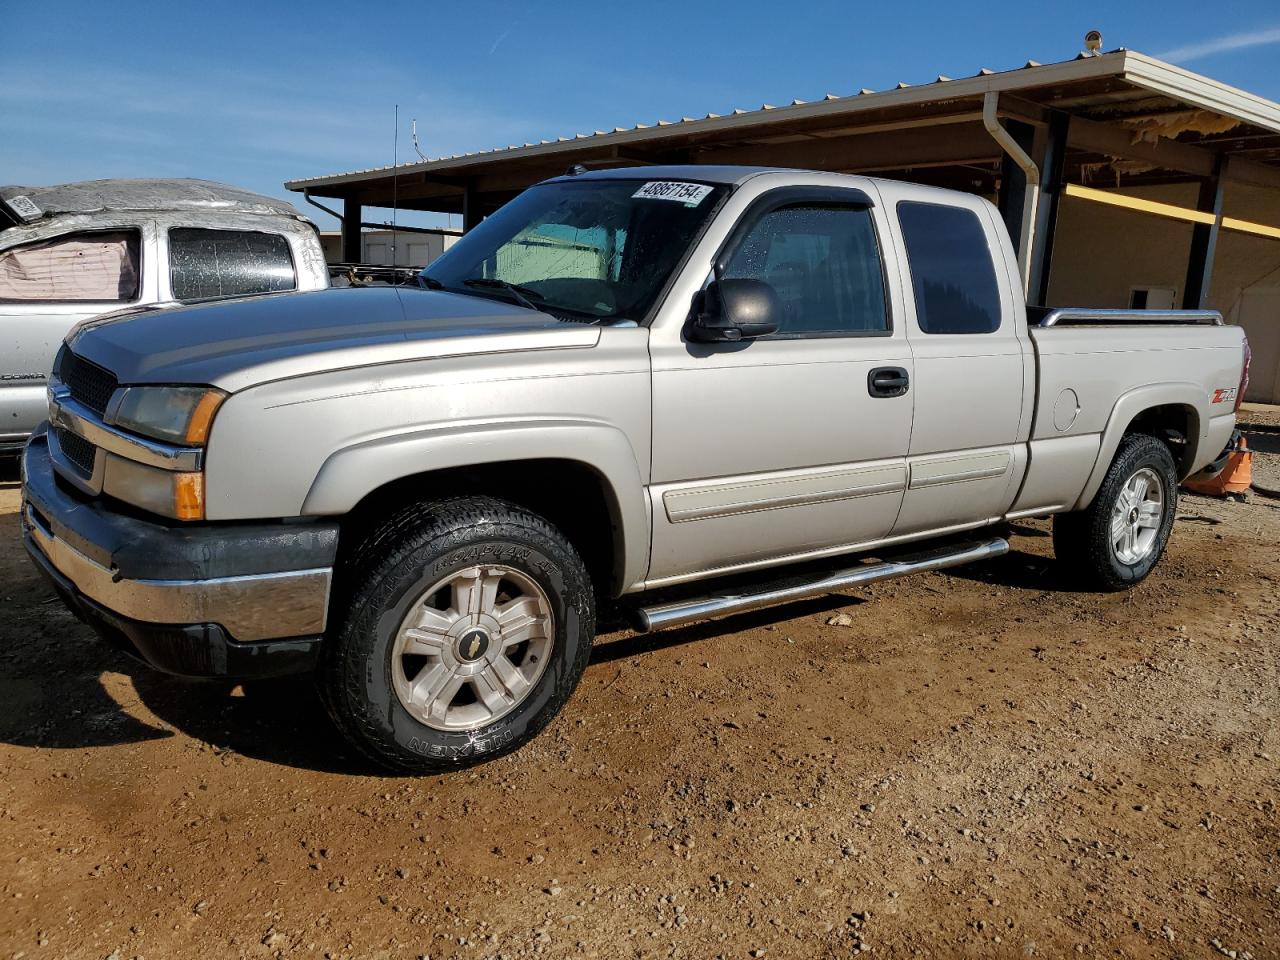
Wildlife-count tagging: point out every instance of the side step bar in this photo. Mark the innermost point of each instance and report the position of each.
(664, 615)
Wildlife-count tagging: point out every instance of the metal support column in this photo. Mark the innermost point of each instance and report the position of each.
(470, 208)
(1204, 238)
(352, 214)
(1051, 162)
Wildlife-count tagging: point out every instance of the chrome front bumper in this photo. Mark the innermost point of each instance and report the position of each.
(253, 607)
(253, 582)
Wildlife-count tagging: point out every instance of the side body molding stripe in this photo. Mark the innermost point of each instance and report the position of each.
(737, 495)
(731, 496)
(957, 469)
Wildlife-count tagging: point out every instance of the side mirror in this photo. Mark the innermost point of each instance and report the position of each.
(734, 309)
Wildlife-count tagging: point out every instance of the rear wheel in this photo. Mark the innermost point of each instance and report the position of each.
(1117, 540)
(468, 624)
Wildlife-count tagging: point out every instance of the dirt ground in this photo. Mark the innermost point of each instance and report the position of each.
(985, 763)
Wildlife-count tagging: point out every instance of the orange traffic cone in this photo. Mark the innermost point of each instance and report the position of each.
(1235, 476)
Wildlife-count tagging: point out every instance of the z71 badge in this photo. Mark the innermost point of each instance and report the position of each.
(1223, 394)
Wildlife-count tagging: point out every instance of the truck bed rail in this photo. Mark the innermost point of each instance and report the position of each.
(1062, 316)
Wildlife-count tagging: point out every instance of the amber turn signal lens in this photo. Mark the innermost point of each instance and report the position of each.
(202, 416)
(188, 496)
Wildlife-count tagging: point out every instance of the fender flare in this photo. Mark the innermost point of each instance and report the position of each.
(351, 473)
(1127, 408)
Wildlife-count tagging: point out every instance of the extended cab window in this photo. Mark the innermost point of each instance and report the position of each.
(823, 261)
(951, 269)
(100, 267)
(205, 264)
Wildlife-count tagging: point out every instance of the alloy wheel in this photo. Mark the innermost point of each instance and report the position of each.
(472, 647)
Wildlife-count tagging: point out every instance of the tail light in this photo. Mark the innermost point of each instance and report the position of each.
(1244, 370)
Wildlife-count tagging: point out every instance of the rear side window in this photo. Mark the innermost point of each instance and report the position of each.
(823, 262)
(205, 264)
(952, 273)
(99, 267)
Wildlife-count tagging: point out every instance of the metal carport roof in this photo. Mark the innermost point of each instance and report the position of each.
(1160, 107)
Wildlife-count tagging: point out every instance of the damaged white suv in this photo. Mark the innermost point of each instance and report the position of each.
(77, 250)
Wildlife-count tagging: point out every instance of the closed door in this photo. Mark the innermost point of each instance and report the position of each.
(419, 252)
(776, 448)
(965, 460)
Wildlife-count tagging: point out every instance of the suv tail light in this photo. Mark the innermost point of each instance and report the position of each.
(1244, 371)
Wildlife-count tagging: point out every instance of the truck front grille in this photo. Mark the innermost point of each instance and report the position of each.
(88, 382)
(78, 451)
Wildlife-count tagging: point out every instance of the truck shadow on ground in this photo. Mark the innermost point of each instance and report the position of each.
(283, 721)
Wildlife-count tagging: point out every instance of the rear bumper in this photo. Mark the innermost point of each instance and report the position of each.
(210, 600)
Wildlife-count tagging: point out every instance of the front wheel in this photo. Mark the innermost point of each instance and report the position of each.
(468, 623)
(1117, 540)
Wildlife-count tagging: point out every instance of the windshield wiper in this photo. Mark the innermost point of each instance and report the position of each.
(428, 283)
(520, 294)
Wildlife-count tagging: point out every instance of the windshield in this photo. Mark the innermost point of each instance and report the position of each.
(594, 250)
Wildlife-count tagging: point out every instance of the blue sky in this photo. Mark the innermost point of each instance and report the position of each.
(254, 94)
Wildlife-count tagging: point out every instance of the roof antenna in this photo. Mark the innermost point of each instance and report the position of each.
(1092, 43)
(395, 183)
(416, 148)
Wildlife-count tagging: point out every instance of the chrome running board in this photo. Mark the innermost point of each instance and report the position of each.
(664, 615)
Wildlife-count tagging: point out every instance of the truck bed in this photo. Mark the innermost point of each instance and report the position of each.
(1088, 362)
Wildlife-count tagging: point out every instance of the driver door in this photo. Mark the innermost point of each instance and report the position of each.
(781, 447)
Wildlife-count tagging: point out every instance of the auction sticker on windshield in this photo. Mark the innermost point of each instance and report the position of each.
(690, 194)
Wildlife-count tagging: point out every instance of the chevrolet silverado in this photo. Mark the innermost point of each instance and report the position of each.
(638, 386)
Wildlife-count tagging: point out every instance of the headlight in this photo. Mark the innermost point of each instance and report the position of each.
(174, 414)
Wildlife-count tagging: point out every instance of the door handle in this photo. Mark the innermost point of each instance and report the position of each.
(887, 382)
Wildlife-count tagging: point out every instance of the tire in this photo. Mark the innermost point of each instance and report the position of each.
(400, 636)
(1084, 540)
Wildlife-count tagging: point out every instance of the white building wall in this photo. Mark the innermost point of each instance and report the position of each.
(411, 249)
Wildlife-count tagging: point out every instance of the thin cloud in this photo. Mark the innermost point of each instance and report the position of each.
(63, 122)
(1224, 44)
(502, 36)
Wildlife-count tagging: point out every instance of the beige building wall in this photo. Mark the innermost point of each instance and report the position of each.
(1101, 253)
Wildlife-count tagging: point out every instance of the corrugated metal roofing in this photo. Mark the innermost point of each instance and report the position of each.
(1138, 69)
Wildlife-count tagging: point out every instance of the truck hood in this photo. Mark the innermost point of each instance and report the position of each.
(233, 344)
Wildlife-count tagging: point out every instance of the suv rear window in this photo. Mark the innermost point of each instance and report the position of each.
(951, 270)
(99, 267)
(206, 264)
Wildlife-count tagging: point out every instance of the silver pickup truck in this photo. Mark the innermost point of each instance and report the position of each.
(633, 386)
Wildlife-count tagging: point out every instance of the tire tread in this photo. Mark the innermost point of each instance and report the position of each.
(440, 526)
(1081, 539)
